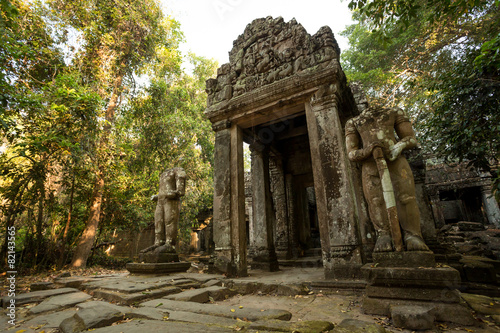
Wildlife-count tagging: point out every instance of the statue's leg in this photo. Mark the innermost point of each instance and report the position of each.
(408, 211)
(171, 211)
(159, 225)
(372, 189)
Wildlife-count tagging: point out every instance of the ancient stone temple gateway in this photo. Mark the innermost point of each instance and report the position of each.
(285, 94)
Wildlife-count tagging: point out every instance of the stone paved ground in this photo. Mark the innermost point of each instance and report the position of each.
(292, 300)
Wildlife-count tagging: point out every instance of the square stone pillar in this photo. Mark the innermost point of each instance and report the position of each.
(263, 254)
(278, 188)
(229, 201)
(333, 184)
(238, 224)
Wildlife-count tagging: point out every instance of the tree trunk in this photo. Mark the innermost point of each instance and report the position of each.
(62, 254)
(87, 239)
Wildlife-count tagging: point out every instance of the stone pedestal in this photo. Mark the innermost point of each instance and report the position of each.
(398, 281)
(161, 260)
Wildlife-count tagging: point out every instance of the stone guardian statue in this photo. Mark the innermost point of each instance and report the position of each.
(388, 183)
(172, 188)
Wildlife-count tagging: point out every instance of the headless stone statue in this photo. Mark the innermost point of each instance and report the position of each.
(172, 188)
(373, 129)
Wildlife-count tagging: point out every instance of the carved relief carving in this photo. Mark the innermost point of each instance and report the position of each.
(270, 50)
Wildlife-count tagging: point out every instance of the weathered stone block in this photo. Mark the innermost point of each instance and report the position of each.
(219, 310)
(358, 326)
(286, 326)
(478, 271)
(470, 226)
(420, 294)
(159, 268)
(130, 298)
(36, 296)
(457, 313)
(404, 259)
(59, 302)
(195, 295)
(413, 317)
(444, 277)
(36, 286)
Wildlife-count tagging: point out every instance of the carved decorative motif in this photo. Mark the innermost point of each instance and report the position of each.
(270, 50)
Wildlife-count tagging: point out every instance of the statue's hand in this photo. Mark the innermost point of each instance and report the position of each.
(396, 150)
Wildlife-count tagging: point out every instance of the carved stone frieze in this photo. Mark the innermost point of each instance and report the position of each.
(268, 51)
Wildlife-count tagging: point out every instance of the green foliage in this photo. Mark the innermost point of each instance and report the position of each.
(440, 61)
(164, 127)
(71, 110)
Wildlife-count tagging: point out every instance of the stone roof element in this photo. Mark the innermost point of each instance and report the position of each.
(270, 50)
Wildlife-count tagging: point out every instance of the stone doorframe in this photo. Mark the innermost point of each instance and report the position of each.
(321, 91)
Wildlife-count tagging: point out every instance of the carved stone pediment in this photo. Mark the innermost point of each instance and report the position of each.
(270, 50)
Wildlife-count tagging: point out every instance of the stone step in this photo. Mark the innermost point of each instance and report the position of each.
(59, 302)
(203, 295)
(162, 326)
(36, 296)
(305, 262)
(287, 326)
(219, 310)
(131, 298)
(184, 316)
(245, 287)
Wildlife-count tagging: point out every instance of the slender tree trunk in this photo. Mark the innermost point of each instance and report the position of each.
(62, 254)
(39, 222)
(87, 239)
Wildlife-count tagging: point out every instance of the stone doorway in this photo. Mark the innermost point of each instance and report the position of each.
(285, 94)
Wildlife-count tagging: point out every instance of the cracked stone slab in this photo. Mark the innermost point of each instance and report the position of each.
(194, 295)
(358, 326)
(125, 286)
(206, 319)
(202, 277)
(37, 296)
(310, 326)
(59, 302)
(219, 310)
(93, 314)
(52, 320)
(142, 326)
(130, 298)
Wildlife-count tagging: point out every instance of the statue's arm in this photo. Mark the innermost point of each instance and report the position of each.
(180, 183)
(353, 140)
(406, 134)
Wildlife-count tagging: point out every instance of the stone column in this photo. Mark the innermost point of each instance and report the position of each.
(238, 224)
(229, 201)
(222, 199)
(282, 234)
(333, 184)
(490, 206)
(293, 235)
(264, 254)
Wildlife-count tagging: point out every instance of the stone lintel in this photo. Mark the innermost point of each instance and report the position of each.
(273, 94)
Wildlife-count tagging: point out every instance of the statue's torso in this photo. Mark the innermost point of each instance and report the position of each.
(378, 125)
